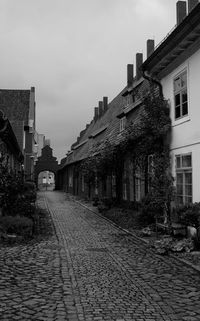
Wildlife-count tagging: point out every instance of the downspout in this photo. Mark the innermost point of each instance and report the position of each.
(154, 80)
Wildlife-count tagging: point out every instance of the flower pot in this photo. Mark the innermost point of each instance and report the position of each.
(191, 232)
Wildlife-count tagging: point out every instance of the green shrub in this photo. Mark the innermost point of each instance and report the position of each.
(16, 225)
(29, 191)
(189, 214)
(149, 209)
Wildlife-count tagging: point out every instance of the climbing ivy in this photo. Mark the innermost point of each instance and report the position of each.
(147, 135)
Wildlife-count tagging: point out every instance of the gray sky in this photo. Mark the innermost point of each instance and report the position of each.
(75, 52)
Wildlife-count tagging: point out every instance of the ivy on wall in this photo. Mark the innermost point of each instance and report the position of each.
(148, 135)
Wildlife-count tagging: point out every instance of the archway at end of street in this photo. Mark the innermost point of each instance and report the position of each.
(46, 181)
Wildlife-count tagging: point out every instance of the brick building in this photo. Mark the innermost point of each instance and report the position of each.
(9, 147)
(19, 107)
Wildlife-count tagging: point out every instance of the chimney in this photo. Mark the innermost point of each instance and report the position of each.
(181, 11)
(129, 75)
(100, 108)
(105, 104)
(96, 113)
(192, 4)
(139, 61)
(150, 47)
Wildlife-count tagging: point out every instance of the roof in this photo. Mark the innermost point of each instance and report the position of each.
(107, 127)
(8, 137)
(181, 43)
(15, 104)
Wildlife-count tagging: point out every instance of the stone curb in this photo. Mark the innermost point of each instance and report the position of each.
(196, 268)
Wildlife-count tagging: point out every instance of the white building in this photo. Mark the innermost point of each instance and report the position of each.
(176, 64)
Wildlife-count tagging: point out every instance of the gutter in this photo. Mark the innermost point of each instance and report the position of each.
(154, 80)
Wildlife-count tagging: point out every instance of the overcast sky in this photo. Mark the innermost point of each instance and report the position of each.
(74, 52)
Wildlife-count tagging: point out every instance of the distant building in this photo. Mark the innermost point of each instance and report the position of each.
(19, 107)
(47, 142)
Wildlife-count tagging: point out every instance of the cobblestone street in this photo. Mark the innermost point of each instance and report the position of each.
(90, 270)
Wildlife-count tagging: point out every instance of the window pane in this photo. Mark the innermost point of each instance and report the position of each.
(184, 96)
(177, 112)
(177, 100)
(188, 190)
(179, 178)
(184, 80)
(178, 162)
(179, 200)
(185, 109)
(188, 178)
(187, 161)
(179, 189)
(188, 200)
(177, 84)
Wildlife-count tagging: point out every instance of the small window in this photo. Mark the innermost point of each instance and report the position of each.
(128, 100)
(122, 123)
(180, 95)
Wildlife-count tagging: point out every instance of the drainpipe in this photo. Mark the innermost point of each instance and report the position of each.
(155, 81)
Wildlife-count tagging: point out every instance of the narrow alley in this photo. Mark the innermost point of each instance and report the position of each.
(90, 270)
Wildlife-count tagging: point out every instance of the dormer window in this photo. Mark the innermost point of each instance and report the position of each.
(122, 123)
(128, 100)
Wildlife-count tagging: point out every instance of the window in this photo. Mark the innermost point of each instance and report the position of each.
(113, 185)
(151, 170)
(180, 95)
(128, 100)
(184, 178)
(139, 185)
(82, 183)
(122, 124)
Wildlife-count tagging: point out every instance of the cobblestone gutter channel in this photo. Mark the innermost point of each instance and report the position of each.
(92, 271)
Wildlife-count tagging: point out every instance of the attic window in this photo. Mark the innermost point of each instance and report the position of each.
(122, 124)
(128, 100)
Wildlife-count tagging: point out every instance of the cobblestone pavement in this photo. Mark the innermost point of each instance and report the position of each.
(91, 271)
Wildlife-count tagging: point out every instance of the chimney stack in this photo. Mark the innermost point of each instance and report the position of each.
(181, 11)
(192, 4)
(96, 113)
(150, 47)
(139, 61)
(105, 104)
(100, 108)
(129, 75)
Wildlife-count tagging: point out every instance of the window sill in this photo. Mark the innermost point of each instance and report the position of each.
(180, 121)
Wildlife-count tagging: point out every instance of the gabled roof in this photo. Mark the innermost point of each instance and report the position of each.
(8, 137)
(107, 127)
(180, 44)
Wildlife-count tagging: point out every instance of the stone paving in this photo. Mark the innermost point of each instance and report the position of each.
(91, 271)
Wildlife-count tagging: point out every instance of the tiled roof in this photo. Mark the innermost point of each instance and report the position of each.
(106, 127)
(8, 137)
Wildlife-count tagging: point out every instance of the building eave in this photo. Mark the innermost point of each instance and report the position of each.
(177, 42)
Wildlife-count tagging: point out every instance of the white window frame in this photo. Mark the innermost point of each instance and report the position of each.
(139, 185)
(180, 91)
(122, 124)
(183, 170)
